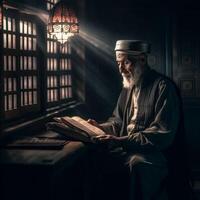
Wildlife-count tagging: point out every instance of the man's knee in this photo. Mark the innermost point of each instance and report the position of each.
(140, 168)
(146, 178)
(134, 161)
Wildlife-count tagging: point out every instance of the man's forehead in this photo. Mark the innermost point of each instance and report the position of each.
(120, 55)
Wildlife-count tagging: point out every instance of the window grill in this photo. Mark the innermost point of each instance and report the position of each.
(51, 3)
(59, 67)
(20, 69)
(31, 82)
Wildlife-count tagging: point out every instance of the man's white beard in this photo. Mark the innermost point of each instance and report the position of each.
(127, 82)
(132, 79)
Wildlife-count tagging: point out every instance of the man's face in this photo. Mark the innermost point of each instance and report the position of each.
(130, 71)
(125, 65)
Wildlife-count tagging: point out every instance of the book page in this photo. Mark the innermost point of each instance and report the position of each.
(83, 125)
(95, 129)
(69, 132)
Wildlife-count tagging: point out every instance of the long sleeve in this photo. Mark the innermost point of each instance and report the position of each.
(162, 129)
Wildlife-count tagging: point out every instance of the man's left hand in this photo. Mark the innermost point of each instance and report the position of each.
(110, 140)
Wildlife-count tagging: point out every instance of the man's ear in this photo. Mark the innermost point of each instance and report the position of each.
(142, 59)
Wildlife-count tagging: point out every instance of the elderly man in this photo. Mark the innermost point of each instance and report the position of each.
(144, 122)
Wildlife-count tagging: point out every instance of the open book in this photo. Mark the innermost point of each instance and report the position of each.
(75, 128)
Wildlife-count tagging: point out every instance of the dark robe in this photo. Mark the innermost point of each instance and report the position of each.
(158, 114)
(156, 126)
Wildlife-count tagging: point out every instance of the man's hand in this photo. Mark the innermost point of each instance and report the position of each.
(110, 140)
(94, 123)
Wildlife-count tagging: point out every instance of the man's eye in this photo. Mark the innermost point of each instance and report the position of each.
(126, 62)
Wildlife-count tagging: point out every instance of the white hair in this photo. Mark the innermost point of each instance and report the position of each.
(133, 78)
(127, 82)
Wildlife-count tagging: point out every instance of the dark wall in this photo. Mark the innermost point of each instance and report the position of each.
(186, 72)
(109, 22)
(173, 31)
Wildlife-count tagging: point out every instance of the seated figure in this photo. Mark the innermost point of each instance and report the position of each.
(143, 128)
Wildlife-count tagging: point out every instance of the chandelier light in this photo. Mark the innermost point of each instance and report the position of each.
(63, 22)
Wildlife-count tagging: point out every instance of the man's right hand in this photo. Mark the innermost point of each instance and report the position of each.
(94, 123)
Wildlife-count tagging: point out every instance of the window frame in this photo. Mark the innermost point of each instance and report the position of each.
(21, 111)
(44, 107)
(67, 71)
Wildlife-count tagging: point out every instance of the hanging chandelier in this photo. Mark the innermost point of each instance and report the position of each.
(63, 22)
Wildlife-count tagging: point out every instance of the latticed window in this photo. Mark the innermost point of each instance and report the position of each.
(28, 63)
(32, 78)
(59, 79)
(20, 68)
(51, 3)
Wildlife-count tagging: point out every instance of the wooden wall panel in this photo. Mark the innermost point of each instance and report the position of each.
(186, 73)
(186, 68)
